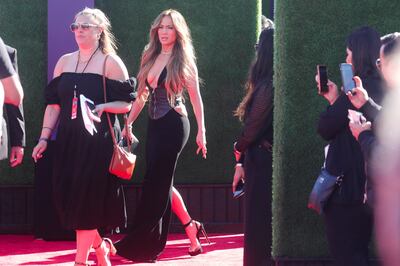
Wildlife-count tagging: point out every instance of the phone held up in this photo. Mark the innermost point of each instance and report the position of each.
(346, 71)
(239, 191)
(323, 79)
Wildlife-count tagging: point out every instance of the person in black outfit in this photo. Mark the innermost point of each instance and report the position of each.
(16, 123)
(347, 218)
(87, 196)
(380, 144)
(168, 66)
(10, 93)
(363, 131)
(253, 151)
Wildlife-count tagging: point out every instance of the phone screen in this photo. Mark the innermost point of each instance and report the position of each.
(323, 79)
(346, 71)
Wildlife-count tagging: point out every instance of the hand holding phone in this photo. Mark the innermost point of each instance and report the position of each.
(346, 71)
(356, 117)
(92, 112)
(323, 79)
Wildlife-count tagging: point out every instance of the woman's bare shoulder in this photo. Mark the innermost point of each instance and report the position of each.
(62, 62)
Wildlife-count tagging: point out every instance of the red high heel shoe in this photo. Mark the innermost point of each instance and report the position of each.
(200, 230)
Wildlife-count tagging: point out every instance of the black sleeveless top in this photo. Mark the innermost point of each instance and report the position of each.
(159, 104)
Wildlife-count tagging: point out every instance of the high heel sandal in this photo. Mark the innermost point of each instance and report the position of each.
(111, 249)
(200, 230)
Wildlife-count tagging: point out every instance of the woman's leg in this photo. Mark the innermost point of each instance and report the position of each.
(84, 242)
(103, 249)
(179, 208)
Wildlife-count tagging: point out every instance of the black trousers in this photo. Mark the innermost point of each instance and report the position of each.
(348, 230)
(166, 137)
(258, 197)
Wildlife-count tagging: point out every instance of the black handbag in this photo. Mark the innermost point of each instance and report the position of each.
(322, 190)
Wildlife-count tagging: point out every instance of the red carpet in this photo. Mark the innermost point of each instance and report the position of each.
(226, 250)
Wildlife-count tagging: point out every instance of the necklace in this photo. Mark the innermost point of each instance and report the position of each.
(166, 53)
(87, 62)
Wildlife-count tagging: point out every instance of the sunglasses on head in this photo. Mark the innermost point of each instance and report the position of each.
(85, 26)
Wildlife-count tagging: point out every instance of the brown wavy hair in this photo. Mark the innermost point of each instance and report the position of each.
(261, 70)
(181, 66)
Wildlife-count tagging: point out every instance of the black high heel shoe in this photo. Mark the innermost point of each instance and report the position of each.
(200, 230)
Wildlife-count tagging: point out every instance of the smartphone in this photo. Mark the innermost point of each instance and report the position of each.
(323, 79)
(239, 189)
(346, 70)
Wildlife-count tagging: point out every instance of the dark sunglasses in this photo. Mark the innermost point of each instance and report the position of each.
(85, 26)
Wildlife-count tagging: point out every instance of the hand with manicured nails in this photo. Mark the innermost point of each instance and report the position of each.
(127, 133)
(358, 96)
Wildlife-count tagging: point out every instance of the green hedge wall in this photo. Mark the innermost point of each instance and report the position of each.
(308, 34)
(223, 33)
(23, 25)
(266, 8)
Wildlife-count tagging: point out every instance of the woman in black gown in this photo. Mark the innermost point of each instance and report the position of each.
(87, 196)
(253, 150)
(168, 65)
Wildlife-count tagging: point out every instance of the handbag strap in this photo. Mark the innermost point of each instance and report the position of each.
(108, 116)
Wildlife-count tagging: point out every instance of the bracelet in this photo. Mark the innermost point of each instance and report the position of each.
(47, 128)
(44, 139)
(238, 165)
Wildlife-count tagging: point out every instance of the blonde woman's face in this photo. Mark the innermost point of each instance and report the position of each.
(166, 31)
(87, 31)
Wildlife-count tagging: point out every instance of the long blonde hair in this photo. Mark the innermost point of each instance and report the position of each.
(107, 42)
(181, 66)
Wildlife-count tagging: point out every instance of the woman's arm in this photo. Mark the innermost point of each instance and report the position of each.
(49, 121)
(255, 118)
(115, 69)
(198, 108)
(137, 107)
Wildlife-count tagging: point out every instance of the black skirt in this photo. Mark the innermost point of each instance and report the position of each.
(166, 138)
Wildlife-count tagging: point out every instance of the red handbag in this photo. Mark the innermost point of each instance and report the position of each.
(122, 161)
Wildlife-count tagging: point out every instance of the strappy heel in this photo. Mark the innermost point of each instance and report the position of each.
(111, 250)
(200, 230)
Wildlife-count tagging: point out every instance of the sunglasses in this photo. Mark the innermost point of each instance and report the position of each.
(84, 26)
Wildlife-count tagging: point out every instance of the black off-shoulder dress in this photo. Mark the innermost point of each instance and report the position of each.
(86, 195)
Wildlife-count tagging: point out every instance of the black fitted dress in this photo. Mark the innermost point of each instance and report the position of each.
(167, 134)
(86, 195)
